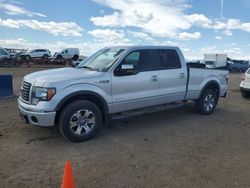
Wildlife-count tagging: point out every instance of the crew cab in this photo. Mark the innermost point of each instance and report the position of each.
(116, 80)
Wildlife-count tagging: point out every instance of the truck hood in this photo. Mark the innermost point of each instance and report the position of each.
(51, 77)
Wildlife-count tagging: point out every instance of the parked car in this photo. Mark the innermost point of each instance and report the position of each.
(245, 84)
(237, 67)
(67, 53)
(113, 81)
(4, 54)
(38, 53)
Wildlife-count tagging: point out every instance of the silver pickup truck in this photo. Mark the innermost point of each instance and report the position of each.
(115, 80)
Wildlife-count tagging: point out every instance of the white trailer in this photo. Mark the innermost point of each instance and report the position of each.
(215, 60)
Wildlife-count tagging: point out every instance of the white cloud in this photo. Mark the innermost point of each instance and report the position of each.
(55, 28)
(199, 20)
(232, 24)
(112, 20)
(159, 18)
(140, 35)
(162, 18)
(189, 36)
(16, 10)
(228, 32)
(218, 37)
(109, 37)
(233, 51)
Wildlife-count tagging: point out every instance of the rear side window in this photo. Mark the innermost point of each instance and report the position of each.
(169, 59)
(248, 72)
(148, 60)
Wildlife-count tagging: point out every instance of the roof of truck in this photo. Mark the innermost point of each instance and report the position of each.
(144, 47)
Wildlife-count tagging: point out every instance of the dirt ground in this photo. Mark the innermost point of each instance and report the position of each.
(170, 148)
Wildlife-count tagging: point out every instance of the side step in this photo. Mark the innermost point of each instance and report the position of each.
(131, 113)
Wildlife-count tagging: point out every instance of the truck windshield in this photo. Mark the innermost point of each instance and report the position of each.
(209, 62)
(102, 60)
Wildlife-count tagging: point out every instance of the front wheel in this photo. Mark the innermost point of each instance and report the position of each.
(80, 120)
(207, 102)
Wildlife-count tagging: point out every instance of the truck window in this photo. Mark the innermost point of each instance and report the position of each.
(132, 59)
(169, 59)
(143, 60)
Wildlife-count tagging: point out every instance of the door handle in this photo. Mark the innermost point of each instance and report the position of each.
(182, 75)
(154, 78)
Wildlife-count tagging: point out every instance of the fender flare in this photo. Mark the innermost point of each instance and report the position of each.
(77, 93)
(207, 84)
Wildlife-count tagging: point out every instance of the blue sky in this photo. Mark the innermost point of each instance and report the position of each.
(196, 26)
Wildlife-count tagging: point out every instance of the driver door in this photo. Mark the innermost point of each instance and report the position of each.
(136, 89)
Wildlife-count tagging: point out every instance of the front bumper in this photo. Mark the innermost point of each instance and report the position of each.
(44, 119)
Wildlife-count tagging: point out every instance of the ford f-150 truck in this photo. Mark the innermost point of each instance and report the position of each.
(115, 80)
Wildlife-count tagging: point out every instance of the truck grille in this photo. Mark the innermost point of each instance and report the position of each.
(25, 89)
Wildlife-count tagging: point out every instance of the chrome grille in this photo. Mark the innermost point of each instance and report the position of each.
(25, 91)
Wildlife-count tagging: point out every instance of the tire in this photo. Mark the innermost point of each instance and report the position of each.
(59, 57)
(245, 94)
(73, 121)
(17, 64)
(27, 57)
(207, 102)
(75, 57)
(2, 64)
(45, 56)
(10, 64)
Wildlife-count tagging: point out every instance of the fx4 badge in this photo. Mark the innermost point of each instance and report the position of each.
(104, 81)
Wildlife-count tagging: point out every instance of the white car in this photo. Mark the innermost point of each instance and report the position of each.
(67, 53)
(245, 84)
(38, 53)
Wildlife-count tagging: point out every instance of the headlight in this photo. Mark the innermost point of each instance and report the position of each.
(42, 94)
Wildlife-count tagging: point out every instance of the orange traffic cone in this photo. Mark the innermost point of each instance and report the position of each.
(68, 179)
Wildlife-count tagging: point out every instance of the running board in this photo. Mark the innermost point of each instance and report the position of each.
(131, 113)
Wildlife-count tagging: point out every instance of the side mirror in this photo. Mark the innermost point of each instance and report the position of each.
(124, 70)
(127, 67)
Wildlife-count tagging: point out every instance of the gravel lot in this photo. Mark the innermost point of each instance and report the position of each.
(170, 148)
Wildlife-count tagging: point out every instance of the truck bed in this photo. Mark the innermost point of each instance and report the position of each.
(198, 77)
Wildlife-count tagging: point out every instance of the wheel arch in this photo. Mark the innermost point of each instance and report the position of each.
(213, 85)
(84, 95)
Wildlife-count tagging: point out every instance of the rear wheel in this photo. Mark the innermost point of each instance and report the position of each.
(45, 56)
(207, 102)
(80, 120)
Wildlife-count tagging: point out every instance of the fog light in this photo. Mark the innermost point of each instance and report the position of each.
(34, 119)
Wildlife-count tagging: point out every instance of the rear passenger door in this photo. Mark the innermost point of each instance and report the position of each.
(172, 77)
(141, 88)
